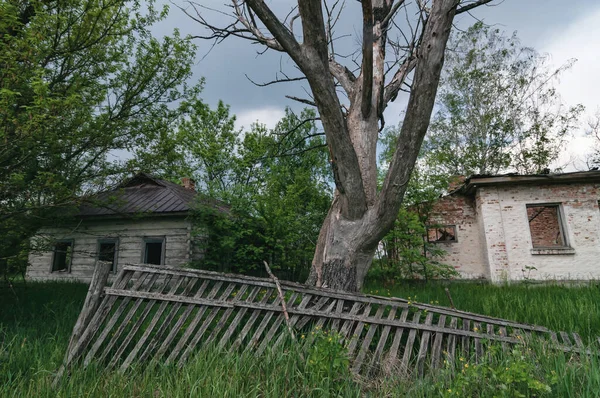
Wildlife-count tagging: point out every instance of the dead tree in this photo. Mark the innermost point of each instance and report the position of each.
(351, 106)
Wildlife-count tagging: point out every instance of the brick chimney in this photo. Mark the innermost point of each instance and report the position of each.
(455, 182)
(188, 183)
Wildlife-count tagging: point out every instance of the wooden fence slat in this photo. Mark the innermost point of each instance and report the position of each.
(136, 326)
(366, 342)
(253, 317)
(347, 325)
(299, 322)
(157, 316)
(409, 344)
(192, 326)
(207, 322)
(451, 343)
(335, 325)
(239, 316)
(423, 348)
(158, 337)
(565, 339)
(385, 332)
(113, 320)
(219, 326)
(478, 345)
(465, 341)
(178, 325)
(358, 331)
(392, 356)
(577, 339)
(436, 349)
(274, 327)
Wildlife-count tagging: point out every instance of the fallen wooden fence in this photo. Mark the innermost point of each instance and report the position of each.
(166, 314)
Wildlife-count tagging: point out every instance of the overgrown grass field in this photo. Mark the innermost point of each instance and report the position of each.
(36, 323)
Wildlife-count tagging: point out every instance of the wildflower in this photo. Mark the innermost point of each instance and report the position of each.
(450, 390)
(475, 329)
(302, 336)
(466, 365)
(461, 359)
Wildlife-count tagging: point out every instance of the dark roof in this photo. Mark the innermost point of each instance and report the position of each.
(476, 181)
(140, 194)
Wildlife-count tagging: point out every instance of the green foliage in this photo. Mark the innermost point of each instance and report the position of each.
(499, 375)
(405, 252)
(35, 326)
(327, 355)
(408, 255)
(79, 80)
(499, 109)
(272, 191)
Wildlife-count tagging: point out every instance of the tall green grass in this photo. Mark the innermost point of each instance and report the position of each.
(35, 327)
(556, 306)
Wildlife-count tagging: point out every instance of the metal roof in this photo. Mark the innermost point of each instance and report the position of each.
(140, 194)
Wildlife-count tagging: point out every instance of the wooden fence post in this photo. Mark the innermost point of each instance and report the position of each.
(90, 306)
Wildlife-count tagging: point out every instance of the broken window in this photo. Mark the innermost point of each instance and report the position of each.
(107, 251)
(154, 250)
(62, 256)
(444, 233)
(545, 226)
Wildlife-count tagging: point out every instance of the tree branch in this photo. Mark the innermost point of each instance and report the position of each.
(472, 5)
(418, 113)
(367, 59)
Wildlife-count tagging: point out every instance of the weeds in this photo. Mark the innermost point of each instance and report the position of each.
(35, 329)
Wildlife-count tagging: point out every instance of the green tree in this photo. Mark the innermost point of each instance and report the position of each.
(79, 82)
(277, 189)
(405, 252)
(498, 108)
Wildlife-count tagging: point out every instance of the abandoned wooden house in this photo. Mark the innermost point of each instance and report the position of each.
(142, 220)
(510, 227)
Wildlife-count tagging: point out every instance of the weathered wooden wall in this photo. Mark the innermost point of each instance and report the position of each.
(130, 234)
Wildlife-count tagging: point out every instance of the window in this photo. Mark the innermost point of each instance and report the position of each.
(441, 233)
(154, 251)
(107, 251)
(545, 226)
(62, 256)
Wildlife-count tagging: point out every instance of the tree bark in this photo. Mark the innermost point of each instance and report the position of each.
(360, 216)
(346, 246)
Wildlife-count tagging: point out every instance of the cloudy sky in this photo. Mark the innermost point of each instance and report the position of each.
(563, 29)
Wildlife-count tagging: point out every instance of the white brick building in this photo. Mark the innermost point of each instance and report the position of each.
(512, 227)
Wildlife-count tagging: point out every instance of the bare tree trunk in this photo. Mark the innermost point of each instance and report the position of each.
(343, 254)
(359, 216)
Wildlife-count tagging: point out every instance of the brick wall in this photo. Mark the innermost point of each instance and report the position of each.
(507, 230)
(494, 238)
(465, 254)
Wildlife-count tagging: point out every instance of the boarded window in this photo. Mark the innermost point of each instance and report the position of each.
(107, 251)
(61, 259)
(444, 233)
(154, 250)
(545, 225)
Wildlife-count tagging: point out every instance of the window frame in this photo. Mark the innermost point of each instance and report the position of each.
(154, 239)
(561, 226)
(116, 255)
(72, 243)
(437, 226)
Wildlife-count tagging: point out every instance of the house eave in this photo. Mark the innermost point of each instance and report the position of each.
(475, 182)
